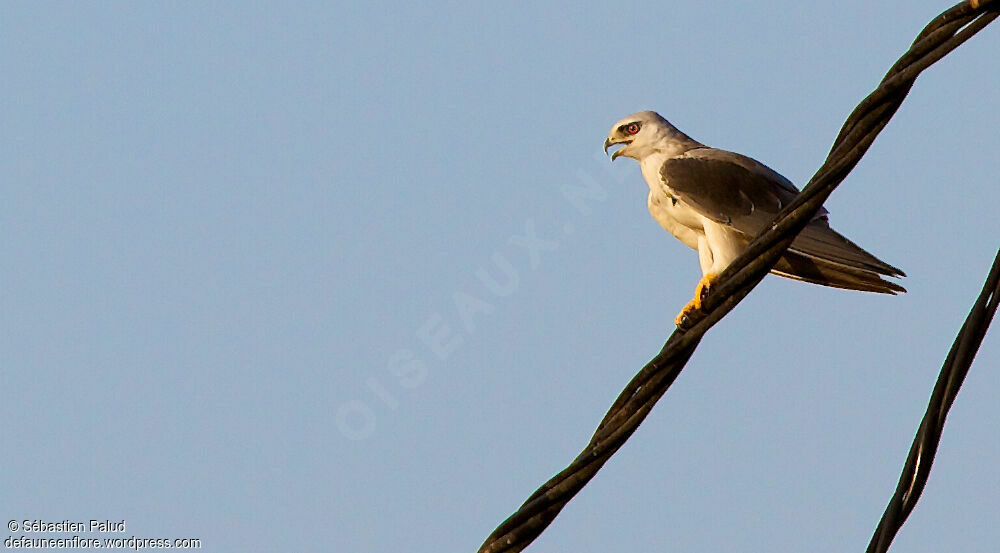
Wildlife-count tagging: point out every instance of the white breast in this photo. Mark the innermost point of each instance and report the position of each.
(673, 215)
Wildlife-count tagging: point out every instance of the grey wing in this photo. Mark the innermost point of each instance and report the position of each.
(745, 194)
(728, 188)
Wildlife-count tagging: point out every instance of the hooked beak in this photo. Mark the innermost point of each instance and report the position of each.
(609, 143)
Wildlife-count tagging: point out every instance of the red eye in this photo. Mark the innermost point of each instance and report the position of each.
(632, 128)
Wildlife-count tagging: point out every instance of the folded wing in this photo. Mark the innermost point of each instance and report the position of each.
(744, 194)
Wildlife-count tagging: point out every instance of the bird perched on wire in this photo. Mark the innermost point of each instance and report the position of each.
(716, 202)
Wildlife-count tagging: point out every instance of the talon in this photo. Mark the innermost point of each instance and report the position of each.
(701, 291)
(682, 317)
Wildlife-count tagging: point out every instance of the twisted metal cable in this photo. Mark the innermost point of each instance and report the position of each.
(942, 35)
(918, 462)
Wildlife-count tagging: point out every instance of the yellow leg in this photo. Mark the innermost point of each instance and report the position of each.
(699, 292)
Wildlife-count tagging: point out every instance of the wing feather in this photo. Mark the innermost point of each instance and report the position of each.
(728, 188)
(740, 192)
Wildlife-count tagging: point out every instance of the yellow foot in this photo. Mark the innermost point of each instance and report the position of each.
(685, 313)
(700, 291)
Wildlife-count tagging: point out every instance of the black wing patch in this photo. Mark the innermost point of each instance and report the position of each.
(740, 192)
(725, 191)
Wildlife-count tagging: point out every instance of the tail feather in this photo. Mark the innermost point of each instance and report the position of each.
(798, 266)
(821, 242)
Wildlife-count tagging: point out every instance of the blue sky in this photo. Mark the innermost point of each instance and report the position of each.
(266, 276)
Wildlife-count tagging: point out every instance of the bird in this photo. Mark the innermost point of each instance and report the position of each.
(716, 202)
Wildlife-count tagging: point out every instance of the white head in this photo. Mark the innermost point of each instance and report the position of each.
(645, 133)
